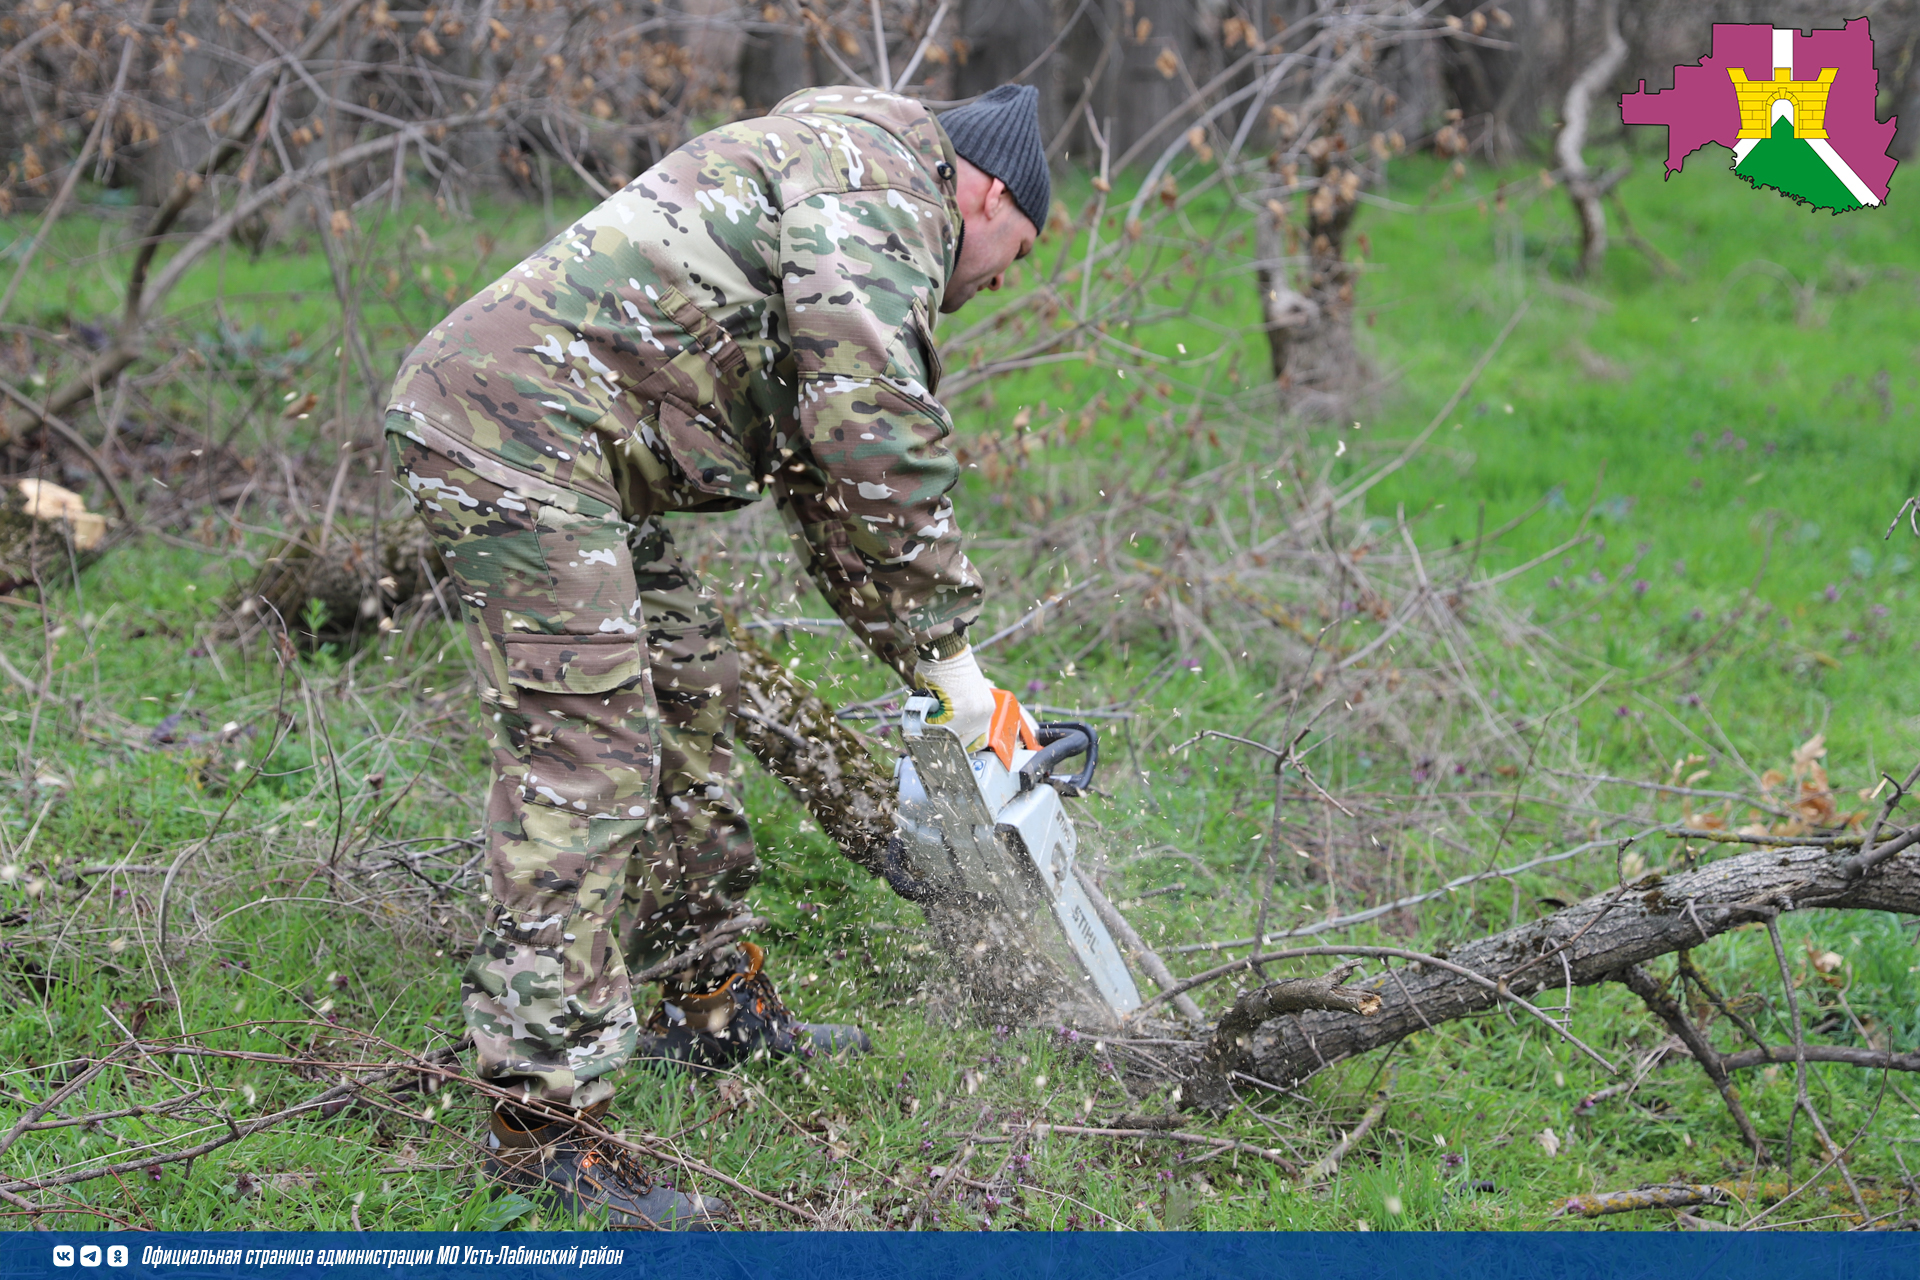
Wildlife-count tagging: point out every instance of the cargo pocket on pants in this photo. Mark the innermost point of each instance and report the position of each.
(582, 731)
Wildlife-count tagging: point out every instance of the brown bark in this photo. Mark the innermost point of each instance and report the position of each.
(1310, 328)
(1658, 916)
(1231, 1047)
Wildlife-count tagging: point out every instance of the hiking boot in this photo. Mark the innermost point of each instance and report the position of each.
(742, 1018)
(590, 1176)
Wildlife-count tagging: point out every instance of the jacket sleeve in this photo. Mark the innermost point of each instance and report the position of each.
(867, 493)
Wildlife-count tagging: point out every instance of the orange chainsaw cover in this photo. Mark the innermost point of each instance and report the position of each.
(1007, 727)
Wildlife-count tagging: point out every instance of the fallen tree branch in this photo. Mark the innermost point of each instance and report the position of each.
(235, 1133)
(1843, 1055)
(1781, 842)
(1501, 991)
(435, 1069)
(1230, 1049)
(1677, 1196)
(1658, 917)
(31, 1116)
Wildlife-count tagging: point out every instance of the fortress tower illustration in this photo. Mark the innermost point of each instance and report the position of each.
(1807, 100)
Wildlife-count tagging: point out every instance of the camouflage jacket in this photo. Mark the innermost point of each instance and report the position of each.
(753, 314)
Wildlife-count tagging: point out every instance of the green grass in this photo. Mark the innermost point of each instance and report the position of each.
(1728, 416)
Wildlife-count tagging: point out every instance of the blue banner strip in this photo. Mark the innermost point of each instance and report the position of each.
(928, 1256)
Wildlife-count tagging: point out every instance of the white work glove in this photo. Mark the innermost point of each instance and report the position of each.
(965, 695)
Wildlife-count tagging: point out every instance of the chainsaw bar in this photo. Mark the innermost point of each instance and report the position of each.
(990, 826)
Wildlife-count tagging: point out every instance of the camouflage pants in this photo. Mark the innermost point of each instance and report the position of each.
(610, 683)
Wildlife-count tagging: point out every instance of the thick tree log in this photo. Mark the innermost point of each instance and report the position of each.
(1589, 942)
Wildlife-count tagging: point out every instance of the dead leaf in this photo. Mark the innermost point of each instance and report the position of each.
(1549, 1142)
(1807, 752)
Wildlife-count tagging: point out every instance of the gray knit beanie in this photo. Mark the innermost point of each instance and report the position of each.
(999, 134)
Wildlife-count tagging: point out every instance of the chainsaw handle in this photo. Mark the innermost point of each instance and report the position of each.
(1062, 740)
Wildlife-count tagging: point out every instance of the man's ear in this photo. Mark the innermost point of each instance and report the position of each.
(998, 197)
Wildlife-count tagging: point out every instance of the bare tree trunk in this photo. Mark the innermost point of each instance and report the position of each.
(774, 62)
(1323, 367)
(1582, 187)
(1589, 942)
(1283, 310)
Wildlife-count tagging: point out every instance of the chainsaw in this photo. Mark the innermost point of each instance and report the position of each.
(988, 830)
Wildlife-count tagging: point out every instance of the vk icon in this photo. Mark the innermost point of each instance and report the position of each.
(63, 1255)
(89, 1255)
(116, 1255)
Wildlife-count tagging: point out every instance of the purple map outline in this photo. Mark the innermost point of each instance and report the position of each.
(1701, 107)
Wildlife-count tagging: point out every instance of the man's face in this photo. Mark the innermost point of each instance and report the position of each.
(998, 235)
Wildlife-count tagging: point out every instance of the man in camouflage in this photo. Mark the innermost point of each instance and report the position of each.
(752, 316)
